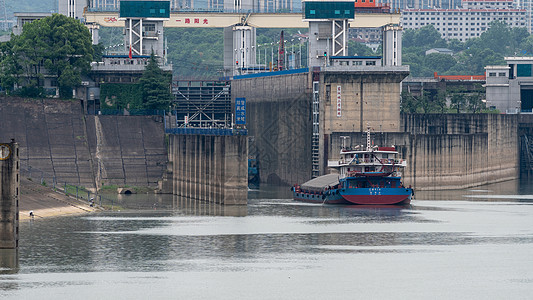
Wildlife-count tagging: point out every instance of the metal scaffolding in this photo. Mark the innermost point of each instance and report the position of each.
(205, 104)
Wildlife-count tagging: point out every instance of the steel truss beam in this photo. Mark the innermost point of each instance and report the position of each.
(339, 31)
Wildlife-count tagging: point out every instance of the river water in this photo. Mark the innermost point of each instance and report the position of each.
(468, 244)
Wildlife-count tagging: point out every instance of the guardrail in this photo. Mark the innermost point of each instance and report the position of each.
(69, 189)
(518, 111)
(206, 131)
(128, 112)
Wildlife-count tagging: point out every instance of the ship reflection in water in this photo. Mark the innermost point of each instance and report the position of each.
(276, 248)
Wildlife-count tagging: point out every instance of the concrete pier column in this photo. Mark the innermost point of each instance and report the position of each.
(211, 168)
(9, 262)
(9, 195)
(236, 170)
(218, 168)
(189, 164)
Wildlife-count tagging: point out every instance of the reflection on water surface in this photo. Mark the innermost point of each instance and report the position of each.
(475, 244)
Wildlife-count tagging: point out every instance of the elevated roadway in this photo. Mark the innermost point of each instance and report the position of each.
(258, 20)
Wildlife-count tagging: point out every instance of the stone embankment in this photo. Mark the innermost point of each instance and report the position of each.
(44, 202)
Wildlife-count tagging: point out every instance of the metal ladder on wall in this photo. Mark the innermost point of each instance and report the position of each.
(527, 154)
(315, 148)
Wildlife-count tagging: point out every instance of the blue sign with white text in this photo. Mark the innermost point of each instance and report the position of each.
(240, 111)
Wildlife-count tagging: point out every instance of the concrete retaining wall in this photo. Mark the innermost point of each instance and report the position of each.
(55, 137)
(127, 150)
(210, 168)
(451, 151)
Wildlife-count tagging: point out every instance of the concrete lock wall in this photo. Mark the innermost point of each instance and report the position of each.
(278, 117)
(366, 98)
(210, 168)
(351, 101)
(56, 138)
(450, 151)
(443, 151)
(9, 200)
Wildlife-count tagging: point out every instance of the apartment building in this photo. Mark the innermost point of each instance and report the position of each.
(469, 21)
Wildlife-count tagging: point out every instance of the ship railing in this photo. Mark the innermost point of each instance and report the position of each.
(360, 161)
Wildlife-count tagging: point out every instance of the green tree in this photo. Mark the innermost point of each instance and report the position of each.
(439, 102)
(519, 34)
(155, 86)
(431, 102)
(9, 69)
(57, 45)
(429, 36)
(474, 102)
(497, 38)
(427, 102)
(526, 46)
(439, 63)
(408, 38)
(456, 45)
(458, 100)
(355, 48)
(409, 103)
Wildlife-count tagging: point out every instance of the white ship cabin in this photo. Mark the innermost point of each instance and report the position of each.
(376, 160)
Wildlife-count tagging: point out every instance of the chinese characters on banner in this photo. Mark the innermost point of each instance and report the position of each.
(240, 111)
(203, 21)
(339, 107)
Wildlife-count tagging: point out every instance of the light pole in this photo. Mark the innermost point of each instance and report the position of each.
(271, 57)
(300, 52)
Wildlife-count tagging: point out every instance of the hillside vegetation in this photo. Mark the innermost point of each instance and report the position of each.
(470, 57)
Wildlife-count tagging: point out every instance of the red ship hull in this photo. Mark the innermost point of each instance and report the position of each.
(378, 199)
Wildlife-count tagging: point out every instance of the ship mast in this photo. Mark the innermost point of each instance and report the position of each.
(368, 146)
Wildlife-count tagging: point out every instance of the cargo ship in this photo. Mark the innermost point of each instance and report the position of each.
(366, 176)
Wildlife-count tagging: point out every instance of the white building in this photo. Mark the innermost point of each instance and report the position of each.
(403, 4)
(467, 22)
(510, 88)
(24, 18)
(72, 8)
